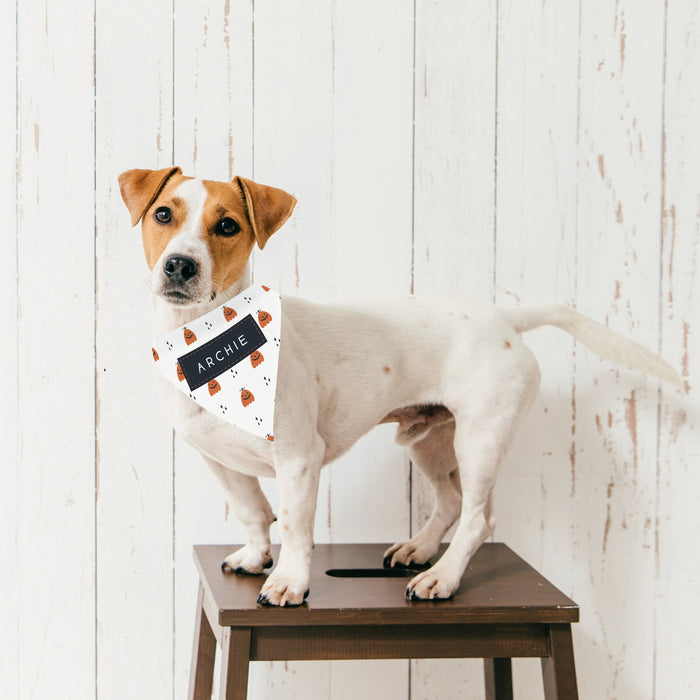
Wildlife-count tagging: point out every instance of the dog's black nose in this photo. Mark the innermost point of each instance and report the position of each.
(180, 268)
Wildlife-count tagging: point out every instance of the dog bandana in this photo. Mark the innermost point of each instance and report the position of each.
(226, 360)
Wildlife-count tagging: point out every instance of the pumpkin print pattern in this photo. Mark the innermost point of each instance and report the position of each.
(247, 397)
(256, 358)
(243, 393)
(264, 318)
(190, 337)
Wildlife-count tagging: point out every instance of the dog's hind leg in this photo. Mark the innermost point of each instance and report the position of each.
(251, 507)
(434, 455)
(484, 431)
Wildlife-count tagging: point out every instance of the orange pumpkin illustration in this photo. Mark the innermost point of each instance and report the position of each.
(190, 337)
(264, 318)
(155, 355)
(229, 313)
(256, 358)
(180, 373)
(247, 397)
(271, 438)
(267, 289)
(214, 387)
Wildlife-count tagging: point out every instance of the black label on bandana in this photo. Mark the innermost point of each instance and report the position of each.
(221, 353)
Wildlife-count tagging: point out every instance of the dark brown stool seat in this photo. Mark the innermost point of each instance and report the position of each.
(503, 609)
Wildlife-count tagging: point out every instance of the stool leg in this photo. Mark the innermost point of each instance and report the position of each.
(558, 669)
(235, 657)
(498, 679)
(203, 655)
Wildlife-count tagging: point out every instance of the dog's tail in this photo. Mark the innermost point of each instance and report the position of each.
(596, 337)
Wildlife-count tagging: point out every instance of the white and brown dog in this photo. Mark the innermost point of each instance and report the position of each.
(455, 376)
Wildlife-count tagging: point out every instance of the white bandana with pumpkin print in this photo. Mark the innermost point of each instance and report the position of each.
(226, 360)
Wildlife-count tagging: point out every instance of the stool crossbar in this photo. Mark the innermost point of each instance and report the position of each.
(503, 609)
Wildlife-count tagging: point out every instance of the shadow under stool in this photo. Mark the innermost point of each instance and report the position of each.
(357, 610)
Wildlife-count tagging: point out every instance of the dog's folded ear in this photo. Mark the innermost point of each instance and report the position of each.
(268, 208)
(140, 188)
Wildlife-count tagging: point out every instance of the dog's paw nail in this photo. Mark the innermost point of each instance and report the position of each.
(225, 567)
(306, 594)
(387, 563)
(262, 599)
(268, 564)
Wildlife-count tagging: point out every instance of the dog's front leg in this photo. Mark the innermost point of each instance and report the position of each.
(298, 490)
(251, 507)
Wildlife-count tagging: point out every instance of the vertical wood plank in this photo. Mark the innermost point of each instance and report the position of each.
(678, 569)
(213, 124)
(203, 654)
(454, 196)
(135, 481)
(535, 248)
(371, 231)
(55, 542)
(341, 104)
(292, 147)
(559, 669)
(619, 218)
(454, 192)
(9, 425)
(371, 228)
(498, 679)
(235, 655)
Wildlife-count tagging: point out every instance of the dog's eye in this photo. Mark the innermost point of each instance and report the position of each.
(227, 227)
(163, 215)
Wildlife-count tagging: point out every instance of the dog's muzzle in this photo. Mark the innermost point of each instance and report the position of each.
(179, 269)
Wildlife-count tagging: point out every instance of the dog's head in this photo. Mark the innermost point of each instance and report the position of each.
(199, 234)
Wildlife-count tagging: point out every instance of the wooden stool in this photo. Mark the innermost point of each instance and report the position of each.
(357, 610)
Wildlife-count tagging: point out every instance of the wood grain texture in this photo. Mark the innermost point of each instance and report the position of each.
(498, 587)
(678, 573)
(339, 620)
(618, 281)
(203, 654)
(528, 151)
(134, 494)
(536, 229)
(9, 358)
(55, 540)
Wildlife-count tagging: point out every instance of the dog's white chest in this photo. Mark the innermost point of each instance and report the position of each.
(229, 446)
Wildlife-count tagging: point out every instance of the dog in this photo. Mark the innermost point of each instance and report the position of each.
(454, 375)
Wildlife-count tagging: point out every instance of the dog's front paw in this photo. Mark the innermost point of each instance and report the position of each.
(247, 560)
(413, 553)
(432, 584)
(283, 590)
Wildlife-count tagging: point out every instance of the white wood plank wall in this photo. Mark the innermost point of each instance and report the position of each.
(520, 151)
